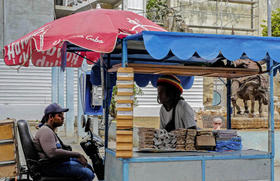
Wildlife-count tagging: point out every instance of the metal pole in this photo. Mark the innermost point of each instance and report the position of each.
(268, 17)
(203, 169)
(70, 102)
(107, 104)
(125, 170)
(124, 52)
(271, 120)
(103, 88)
(271, 107)
(228, 104)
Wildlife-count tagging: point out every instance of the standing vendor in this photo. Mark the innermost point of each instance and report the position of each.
(175, 112)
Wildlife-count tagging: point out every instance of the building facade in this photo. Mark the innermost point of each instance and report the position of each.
(25, 92)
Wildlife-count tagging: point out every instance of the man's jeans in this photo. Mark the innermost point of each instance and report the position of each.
(72, 169)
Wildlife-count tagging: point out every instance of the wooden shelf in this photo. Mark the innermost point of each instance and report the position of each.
(189, 70)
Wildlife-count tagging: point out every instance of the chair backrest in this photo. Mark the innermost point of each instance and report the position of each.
(31, 155)
(27, 144)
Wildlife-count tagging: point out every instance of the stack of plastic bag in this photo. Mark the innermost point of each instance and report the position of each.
(227, 140)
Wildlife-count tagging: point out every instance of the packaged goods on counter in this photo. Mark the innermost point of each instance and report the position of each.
(157, 140)
(190, 140)
(146, 136)
(233, 144)
(180, 135)
(205, 140)
(160, 140)
(164, 140)
(227, 140)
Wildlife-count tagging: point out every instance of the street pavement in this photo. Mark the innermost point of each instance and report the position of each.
(277, 173)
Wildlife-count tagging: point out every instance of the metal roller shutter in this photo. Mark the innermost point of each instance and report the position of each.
(24, 92)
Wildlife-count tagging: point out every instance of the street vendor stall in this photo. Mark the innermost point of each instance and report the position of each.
(187, 54)
(138, 57)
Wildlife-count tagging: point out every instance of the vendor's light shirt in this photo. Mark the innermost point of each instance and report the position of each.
(184, 116)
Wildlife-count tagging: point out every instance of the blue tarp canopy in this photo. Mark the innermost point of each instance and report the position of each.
(208, 46)
(154, 47)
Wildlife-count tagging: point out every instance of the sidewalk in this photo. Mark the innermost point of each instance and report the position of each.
(277, 173)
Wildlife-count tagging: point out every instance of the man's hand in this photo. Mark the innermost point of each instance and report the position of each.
(82, 160)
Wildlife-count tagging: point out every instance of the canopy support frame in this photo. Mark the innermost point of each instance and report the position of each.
(107, 103)
(271, 135)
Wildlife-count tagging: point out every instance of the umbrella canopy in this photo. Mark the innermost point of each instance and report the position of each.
(96, 30)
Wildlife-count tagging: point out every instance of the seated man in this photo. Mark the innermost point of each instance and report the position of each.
(62, 161)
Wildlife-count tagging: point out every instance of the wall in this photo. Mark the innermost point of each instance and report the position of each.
(1, 27)
(258, 139)
(23, 16)
(23, 93)
(219, 14)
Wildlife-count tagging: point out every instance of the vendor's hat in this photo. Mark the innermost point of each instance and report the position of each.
(171, 80)
(55, 108)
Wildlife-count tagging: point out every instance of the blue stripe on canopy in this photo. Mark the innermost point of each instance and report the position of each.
(142, 80)
(208, 46)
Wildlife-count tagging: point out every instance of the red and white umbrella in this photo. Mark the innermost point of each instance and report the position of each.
(95, 30)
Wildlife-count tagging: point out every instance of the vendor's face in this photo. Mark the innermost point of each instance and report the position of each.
(58, 120)
(162, 95)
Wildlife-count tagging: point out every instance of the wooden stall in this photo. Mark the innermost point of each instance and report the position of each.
(8, 149)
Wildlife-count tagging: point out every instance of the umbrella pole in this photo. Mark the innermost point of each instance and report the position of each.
(107, 101)
(102, 85)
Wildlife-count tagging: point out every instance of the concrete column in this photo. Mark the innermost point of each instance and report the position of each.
(144, 8)
(81, 97)
(70, 117)
(125, 5)
(2, 24)
(54, 84)
(94, 122)
(61, 93)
